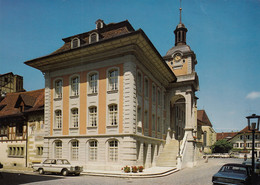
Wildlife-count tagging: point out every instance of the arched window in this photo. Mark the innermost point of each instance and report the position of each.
(75, 43)
(113, 80)
(74, 150)
(113, 150)
(58, 119)
(75, 86)
(58, 149)
(93, 82)
(93, 116)
(93, 150)
(205, 138)
(93, 38)
(58, 89)
(74, 118)
(112, 112)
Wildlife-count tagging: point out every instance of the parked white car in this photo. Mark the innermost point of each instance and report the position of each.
(62, 166)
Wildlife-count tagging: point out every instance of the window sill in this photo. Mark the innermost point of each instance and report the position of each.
(74, 96)
(112, 126)
(112, 91)
(92, 127)
(57, 129)
(74, 128)
(57, 99)
(92, 94)
(14, 156)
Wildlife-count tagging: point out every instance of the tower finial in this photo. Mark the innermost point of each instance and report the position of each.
(180, 11)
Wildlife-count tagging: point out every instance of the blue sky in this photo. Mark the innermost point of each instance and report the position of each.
(224, 34)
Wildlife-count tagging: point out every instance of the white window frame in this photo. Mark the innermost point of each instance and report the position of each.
(58, 119)
(58, 149)
(74, 117)
(77, 44)
(93, 150)
(113, 79)
(74, 150)
(113, 148)
(74, 85)
(90, 38)
(113, 115)
(93, 119)
(93, 83)
(58, 88)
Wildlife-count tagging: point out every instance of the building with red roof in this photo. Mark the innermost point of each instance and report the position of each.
(21, 128)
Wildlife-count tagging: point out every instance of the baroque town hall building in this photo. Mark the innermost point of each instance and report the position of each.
(112, 100)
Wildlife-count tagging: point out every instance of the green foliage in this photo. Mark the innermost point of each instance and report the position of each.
(221, 146)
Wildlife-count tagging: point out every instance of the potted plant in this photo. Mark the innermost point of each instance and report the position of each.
(140, 168)
(134, 169)
(126, 169)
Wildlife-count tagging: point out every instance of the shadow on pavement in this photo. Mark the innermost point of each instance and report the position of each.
(7, 178)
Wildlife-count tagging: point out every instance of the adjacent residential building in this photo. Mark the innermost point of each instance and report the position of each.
(242, 141)
(22, 128)
(10, 83)
(225, 135)
(206, 133)
(112, 100)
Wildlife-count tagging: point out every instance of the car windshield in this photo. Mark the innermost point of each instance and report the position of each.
(65, 161)
(234, 169)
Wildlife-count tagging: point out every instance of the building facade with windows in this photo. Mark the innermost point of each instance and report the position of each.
(242, 142)
(22, 128)
(112, 100)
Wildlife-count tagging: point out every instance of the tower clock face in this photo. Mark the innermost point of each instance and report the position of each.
(177, 57)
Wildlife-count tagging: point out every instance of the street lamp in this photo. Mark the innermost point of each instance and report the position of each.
(253, 125)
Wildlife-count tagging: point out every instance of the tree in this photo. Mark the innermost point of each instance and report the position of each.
(221, 146)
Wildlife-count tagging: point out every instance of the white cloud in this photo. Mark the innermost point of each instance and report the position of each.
(253, 95)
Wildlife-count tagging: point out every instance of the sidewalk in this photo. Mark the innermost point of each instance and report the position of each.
(147, 173)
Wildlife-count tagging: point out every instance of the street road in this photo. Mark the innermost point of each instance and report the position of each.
(199, 175)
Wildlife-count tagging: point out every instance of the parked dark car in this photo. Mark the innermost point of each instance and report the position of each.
(248, 162)
(233, 174)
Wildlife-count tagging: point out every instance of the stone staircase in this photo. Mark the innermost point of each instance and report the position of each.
(168, 157)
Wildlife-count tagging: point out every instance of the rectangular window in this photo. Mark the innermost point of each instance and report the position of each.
(74, 118)
(58, 89)
(154, 94)
(93, 116)
(113, 151)
(146, 121)
(153, 122)
(159, 97)
(58, 119)
(113, 114)
(75, 86)
(39, 150)
(139, 82)
(146, 87)
(16, 151)
(158, 125)
(113, 80)
(93, 83)
(93, 150)
(74, 150)
(19, 129)
(58, 149)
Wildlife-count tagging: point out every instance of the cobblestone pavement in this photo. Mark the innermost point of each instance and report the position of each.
(199, 175)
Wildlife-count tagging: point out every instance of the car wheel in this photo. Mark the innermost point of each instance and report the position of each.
(77, 174)
(65, 172)
(41, 171)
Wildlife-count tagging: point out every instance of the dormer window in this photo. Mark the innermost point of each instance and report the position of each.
(75, 43)
(99, 24)
(93, 38)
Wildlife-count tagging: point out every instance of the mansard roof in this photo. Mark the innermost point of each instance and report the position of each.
(116, 39)
(32, 100)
